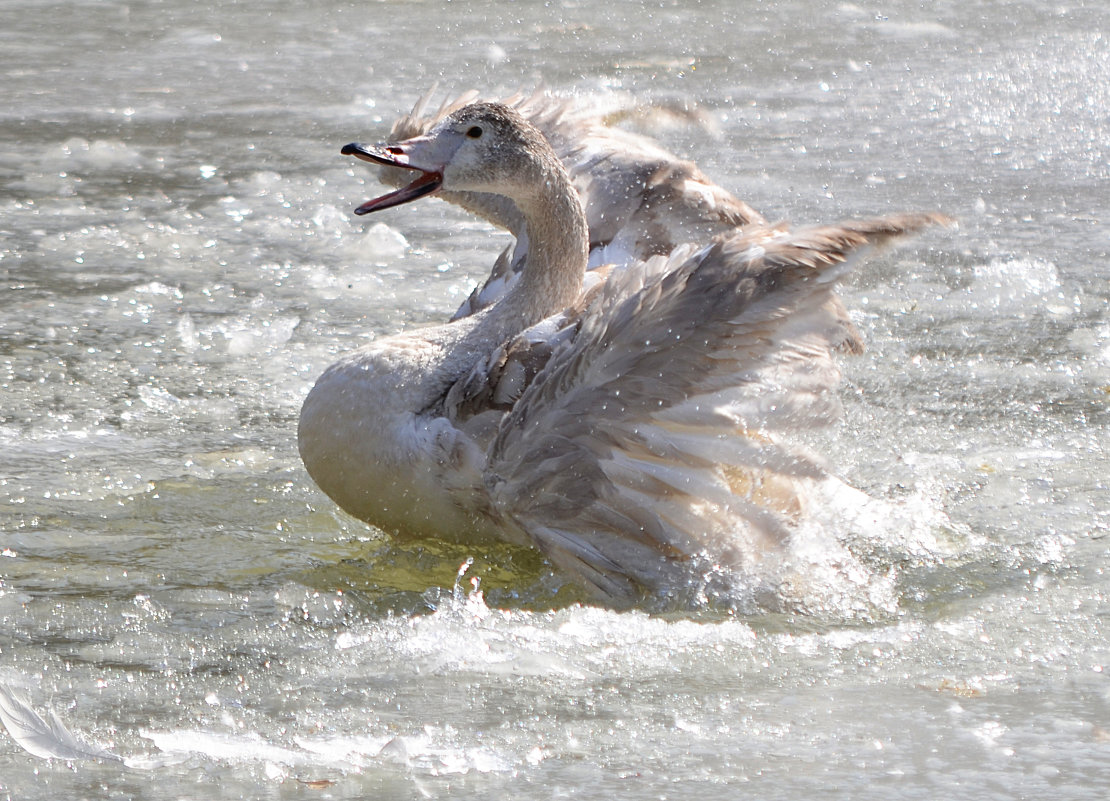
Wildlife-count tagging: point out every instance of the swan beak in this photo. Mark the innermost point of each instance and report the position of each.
(394, 156)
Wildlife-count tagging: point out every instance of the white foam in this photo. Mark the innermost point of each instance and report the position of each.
(100, 154)
(260, 184)
(381, 244)
(246, 336)
(1094, 342)
(245, 747)
(328, 220)
(1015, 284)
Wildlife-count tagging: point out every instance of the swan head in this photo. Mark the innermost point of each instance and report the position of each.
(481, 148)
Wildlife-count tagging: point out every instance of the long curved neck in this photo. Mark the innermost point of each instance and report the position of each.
(558, 248)
(558, 251)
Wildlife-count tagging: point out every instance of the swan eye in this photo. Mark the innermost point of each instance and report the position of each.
(475, 132)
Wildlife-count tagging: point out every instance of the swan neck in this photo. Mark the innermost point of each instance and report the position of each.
(558, 248)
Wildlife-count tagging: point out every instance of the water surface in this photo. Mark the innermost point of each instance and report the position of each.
(179, 262)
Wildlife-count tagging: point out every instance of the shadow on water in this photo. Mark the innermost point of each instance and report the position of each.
(413, 577)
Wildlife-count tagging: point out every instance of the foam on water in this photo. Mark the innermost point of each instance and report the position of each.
(465, 645)
(81, 155)
(1015, 286)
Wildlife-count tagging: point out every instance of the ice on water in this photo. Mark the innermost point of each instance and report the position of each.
(179, 263)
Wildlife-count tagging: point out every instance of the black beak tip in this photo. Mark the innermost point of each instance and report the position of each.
(351, 149)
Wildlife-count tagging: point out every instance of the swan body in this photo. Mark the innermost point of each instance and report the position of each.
(632, 433)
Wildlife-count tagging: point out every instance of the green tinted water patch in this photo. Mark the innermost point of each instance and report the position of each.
(404, 577)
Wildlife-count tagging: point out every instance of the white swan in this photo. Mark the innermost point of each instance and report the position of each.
(632, 437)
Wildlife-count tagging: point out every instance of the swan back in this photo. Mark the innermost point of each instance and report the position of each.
(640, 200)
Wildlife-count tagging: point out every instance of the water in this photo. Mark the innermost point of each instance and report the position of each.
(179, 263)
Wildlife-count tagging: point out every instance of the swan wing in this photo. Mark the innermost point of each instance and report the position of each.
(640, 199)
(651, 440)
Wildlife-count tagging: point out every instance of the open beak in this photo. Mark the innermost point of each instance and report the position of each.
(395, 155)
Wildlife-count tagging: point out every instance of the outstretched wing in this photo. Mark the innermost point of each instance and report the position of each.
(651, 440)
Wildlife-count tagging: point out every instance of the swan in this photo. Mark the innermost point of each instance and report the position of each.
(633, 435)
(640, 200)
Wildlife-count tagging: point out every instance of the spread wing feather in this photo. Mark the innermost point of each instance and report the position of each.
(651, 437)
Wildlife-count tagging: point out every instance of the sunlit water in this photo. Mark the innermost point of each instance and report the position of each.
(179, 262)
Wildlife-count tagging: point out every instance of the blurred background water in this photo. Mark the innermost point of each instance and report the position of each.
(178, 263)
